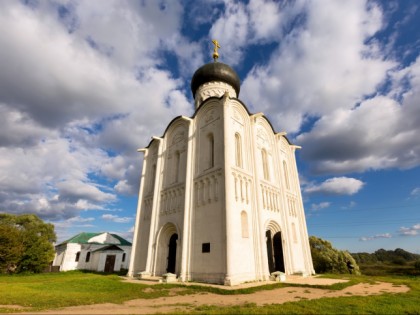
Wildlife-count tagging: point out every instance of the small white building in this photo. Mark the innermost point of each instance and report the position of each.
(102, 252)
(220, 198)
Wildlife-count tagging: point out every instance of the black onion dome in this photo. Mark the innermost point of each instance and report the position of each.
(215, 71)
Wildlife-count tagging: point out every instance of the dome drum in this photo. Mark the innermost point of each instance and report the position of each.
(215, 72)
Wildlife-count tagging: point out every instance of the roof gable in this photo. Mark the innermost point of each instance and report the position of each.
(109, 247)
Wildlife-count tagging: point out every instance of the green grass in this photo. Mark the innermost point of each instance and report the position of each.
(54, 290)
(402, 303)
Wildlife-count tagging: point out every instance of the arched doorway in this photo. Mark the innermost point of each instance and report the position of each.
(274, 252)
(172, 253)
(278, 252)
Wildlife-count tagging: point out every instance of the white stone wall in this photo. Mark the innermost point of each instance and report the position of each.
(66, 257)
(199, 183)
(69, 260)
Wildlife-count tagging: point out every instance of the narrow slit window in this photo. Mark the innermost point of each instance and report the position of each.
(265, 164)
(210, 138)
(238, 150)
(286, 175)
(177, 165)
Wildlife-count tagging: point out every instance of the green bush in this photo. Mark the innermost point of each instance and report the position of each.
(399, 261)
(327, 259)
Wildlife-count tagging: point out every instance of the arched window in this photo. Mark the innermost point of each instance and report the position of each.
(123, 257)
(77, 256)
(265, 164)
(210, 139)
(244, 224)
(238, 150)
(87, 257)
(286, 175)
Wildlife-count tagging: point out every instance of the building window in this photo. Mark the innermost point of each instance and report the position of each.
(205, 248)
(77, 256)
(244, 224)
(286, 176)
(123, 257)
(265, 164)
(210, 138)
(87, 257)
(238, 150)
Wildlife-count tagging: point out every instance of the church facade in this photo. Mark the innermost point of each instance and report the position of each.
(220, 198)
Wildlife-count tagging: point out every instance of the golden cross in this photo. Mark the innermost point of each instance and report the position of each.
(216, 46)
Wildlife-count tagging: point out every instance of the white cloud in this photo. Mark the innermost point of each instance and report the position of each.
(245, 24)
(336, 186)
(415, 192)
(231, 30)
(265, 19)
(375, 237)
(378, 134)
(306, 76)
(410, 231)
(321, 205)
(116, 219)
(77, 190)
(75, 109)
(123, 187)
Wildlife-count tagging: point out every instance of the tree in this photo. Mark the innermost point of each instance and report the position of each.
(11, 248)
(26, 243)
(328, 259)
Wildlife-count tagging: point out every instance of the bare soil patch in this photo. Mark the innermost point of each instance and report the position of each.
(187, 302)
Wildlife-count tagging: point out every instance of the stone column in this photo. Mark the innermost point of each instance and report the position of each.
(188, 205)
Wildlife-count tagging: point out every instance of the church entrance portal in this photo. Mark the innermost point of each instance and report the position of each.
(172, 253)
(274, 252)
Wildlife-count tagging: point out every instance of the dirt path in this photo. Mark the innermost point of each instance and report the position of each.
(187, 302)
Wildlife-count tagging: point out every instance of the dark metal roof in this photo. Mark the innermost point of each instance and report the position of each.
(215, 71)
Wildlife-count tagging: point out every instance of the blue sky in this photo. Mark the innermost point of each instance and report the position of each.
(84, 84)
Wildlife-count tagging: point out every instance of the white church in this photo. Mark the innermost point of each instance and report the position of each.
(220, 198)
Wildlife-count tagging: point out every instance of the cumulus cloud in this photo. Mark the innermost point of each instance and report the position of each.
(311, 56)
(245, 24)
(90, 92)
(410, 231)
(83, 84)
(336, 186)
(375, 237)
(351, 123)
(378, 134)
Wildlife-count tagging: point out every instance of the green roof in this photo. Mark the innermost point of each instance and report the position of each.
(84, 237)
